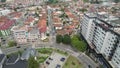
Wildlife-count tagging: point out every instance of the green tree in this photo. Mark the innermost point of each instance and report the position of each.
(12, 43)
(3, 0)
(78, 44)
(116, 1)
(32, 63)
(83, 10)
(67, 39)
(59, 38)
(52, 1)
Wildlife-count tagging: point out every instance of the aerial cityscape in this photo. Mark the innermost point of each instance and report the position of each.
(59, 33)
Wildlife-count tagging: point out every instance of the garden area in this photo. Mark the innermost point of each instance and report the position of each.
(72, 62)
(74, 40)
(44, 53)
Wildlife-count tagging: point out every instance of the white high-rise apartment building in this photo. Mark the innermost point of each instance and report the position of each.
(101, 36)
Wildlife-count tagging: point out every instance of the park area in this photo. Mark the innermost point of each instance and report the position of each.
(73, 62)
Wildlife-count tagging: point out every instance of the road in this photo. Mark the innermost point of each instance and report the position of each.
(81, 56)
(14, 49)
(50, 25)
(85, 60)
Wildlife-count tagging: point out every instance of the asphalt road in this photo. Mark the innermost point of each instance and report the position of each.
(85, 60)
(81, 56)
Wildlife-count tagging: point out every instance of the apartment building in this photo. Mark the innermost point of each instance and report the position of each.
(4, 12)
(101, 36)
(20, 33)
(87, 27)
(5, 25)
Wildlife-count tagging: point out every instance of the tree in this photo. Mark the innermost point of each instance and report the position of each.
(83, 10)
(67, 39)
(78, 44)
(59, 38)
(116, 1)
(52, 1)
(12, 43)
(32, 63)
(3, 0)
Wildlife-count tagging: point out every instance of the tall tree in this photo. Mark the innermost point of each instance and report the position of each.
(32, 63)
(12, 43)
(116, 1)
(3, 0)
(59, 38)
(67, 39)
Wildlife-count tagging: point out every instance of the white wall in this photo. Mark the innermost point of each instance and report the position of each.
(4, 12)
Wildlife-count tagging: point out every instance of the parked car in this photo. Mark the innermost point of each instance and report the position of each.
(47, 62)
(62, 59)
(18, 47)
(50, 58)
(58, 66)
(89, 66)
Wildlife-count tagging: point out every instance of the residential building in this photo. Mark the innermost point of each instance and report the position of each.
(101, 36)
(33, 35)
(5, 25)
(42, 26)
(28, 53)
(20, 33)
(14, 61)
(4, 12)
(87, 27)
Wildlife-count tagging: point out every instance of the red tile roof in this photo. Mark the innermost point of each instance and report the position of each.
(69, 27)
(15, 14)
(62, 32)
(42, 26)
(7, 24)
(58, 25)
(29, 20)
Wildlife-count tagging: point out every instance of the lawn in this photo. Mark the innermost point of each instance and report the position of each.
(72, 62)
(61, 52)
(41, 59)
(45, 50)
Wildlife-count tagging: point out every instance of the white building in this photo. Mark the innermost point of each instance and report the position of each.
(20, 34)
(87, 27)
(4, 12)
(100, 35)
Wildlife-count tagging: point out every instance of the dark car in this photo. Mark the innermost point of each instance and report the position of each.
(18, 47)
(58, 66)
(89, 66)
(50, 58)
(62, 59)
(47, 62)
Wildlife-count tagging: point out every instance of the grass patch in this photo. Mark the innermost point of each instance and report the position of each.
(18, 52)
(61, 52)
(41, 59)
(45, 50)
(72, 62)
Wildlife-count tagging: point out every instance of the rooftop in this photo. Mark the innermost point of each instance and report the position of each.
(29, 20)
(12, 59)
(18, 64)
(29, 52)
(1, 57)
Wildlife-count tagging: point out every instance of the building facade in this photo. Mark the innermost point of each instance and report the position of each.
(102, 38)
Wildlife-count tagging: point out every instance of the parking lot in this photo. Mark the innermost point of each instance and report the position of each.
(56, 60)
